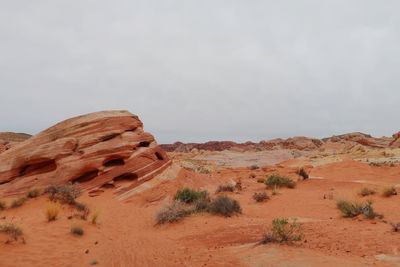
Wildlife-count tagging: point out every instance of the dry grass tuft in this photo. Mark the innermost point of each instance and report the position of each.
(52, 211)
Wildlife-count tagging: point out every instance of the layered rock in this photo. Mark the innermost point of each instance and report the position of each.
(10, 139)
(95, 150)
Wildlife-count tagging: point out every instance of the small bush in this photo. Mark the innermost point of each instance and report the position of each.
(77, 230)
(172, 213)
(254, 167)
(225, 206)
(303, 173)
(83, 209)
(260, 197)
(18, 202)
(395, 227)
(365, 191)
(11, 229)
(225, 188)
(283, 231)
(3, 205)
(389, 191)
(353, 209)
(276, 180)
(188, 195)
(52, 211)
(34, 193)
(63, 193)
(94, 262)
(201, 204)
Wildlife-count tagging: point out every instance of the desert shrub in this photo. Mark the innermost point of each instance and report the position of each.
(93, 262)
(3, 205)
(63, 193)
(276, 180)
(395, 227)
(226, 188)
(303, 173)
(261, 180)
(52, 211)
(95, 217)
(83, 209)
(365, 191)
(225, 206)
(283, 231)
(254, 167)
(260, 197)
(389, 191)
(33, 193)
(172, 213)
(11, 229)
(353, 209)
(188, 195)
(18, 202)
(77, 230)
(201, 204)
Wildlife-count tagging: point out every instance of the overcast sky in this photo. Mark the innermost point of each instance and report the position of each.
(204, 70)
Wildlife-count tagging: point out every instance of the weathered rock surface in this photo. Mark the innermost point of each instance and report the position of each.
(97, 149)
(10, 139)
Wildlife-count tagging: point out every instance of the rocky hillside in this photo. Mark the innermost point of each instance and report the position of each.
(97, 149)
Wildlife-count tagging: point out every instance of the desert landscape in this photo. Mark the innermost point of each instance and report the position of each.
(99, 190)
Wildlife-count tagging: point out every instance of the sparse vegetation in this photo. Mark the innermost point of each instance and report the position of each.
(365, 191)
(389, 191)
(18, 202)
(77, 230)
(52, 211)
(94, 262)
(34, 193)
(302, 172)
(11, 230)
(225, 188)
(3, 205)
(173, 212)
(83, 210)
(283, 231)
(260, 197)
(353, 209)
(276, 180)
(63, 193)
(225, 206)
(188, 195)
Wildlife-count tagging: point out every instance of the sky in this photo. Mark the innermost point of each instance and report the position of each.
(204, 70)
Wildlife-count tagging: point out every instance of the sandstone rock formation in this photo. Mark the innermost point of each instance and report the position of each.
(97, 149)
(396, 140)
(10, 139)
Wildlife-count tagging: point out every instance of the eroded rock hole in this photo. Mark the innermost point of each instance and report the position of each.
(38, 168)
(144, 144)
(114, 162)
(87, 176)
(159, 156)
(126, 177)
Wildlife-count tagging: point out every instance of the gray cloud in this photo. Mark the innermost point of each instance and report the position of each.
(204, 70)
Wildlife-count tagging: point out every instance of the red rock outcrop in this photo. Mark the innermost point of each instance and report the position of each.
(10, 139)
(96, 149)
(396, 140)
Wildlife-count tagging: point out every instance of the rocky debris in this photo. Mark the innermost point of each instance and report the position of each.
(97, 149)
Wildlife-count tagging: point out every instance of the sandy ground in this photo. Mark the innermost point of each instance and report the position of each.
(126, 234)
